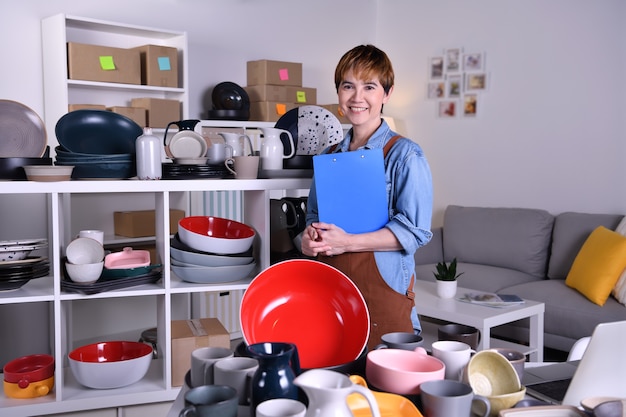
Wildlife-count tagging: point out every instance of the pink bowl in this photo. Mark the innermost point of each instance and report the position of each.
(215, 234)
(402, 371)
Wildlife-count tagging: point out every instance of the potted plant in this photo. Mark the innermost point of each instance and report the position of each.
(446, 277)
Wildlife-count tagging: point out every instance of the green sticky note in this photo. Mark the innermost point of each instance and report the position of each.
(164, 63)
(106, 63)
(301, 97)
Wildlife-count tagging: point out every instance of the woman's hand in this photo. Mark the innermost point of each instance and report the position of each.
(323, 238)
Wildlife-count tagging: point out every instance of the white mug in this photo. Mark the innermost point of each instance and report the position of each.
(455, 355)
(218, 152)
(93, 234)
(202, 364)
(281, 407)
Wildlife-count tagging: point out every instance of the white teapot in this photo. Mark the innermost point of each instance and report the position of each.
(272, 149)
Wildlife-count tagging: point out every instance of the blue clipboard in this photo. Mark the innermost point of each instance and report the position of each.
(351, 189)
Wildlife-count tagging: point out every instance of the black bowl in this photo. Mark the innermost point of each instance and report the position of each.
(240, 115)
(230, 96)
(12, 168)
(298, 162)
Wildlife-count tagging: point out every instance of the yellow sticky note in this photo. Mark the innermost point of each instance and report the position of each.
(301, 96)
(281, 109)
(106, 63)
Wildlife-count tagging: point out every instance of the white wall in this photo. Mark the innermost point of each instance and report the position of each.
(550, 134)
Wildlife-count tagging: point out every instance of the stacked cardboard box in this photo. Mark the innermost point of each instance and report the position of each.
(274, 88)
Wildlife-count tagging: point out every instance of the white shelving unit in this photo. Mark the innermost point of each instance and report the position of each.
(59, 91)
(161, 297)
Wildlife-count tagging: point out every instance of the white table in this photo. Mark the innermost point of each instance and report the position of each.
(428, 304)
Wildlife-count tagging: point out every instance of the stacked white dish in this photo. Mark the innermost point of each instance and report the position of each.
(192, 265)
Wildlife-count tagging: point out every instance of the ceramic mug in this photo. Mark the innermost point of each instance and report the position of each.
(455, 355)
(97, 235)
(244, 167)
(236, 372)
(444, 398)
(460, 333)
(218, 152)
(400, 340)
(210, 401)
(516, 358)
(202, 364)
(281, 407)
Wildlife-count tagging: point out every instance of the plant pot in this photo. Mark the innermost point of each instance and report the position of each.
(446, 289)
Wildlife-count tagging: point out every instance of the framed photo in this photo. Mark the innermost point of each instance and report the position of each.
(470, 105)
(476, 81)
(436, 89)
(448, 108)
(474, 61)
(435, 69)
(454, 86)
(453, 60)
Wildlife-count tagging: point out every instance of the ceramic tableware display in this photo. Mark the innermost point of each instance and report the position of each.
(203, 363)
(327, 392)
(272, 149)
(455, 355)
(279, 364)
(210, 401)
(237, 373)
(444, 398)
(238, 143)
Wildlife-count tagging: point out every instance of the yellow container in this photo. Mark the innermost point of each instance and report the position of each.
(33, 390)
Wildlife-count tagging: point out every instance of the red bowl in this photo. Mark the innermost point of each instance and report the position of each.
(113, 351)
(310, 304)
(215, 234)
(29, 369)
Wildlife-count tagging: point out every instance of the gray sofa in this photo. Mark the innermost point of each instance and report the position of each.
(527, 252)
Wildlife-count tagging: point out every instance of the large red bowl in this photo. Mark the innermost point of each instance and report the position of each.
(310, 304)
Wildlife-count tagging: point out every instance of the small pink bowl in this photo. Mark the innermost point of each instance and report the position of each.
(127, 258)
(402, 371)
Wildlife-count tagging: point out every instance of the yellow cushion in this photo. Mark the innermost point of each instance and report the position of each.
(598, 265)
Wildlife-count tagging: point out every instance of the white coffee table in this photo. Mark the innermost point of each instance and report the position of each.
(428, 304)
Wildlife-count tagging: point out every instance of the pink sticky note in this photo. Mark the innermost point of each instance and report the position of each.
(283, 74)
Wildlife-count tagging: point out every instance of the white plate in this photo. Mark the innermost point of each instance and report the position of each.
(199, 259)
(23, 261)
(23, 131)
(187, 145)
(213, 275)
(23, 242)
(312, 127)
(21, 248)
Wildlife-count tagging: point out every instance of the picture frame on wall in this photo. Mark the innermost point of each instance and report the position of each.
(476, 81)
(454, 86)
(453, 60)
(474, 61)
(447, 109)
(470, 105)
(435, 69)
(436, 89)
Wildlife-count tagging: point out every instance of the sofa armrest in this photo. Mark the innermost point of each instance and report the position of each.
(432, 252)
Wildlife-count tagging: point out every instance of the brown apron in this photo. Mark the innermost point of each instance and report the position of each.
(389, 310)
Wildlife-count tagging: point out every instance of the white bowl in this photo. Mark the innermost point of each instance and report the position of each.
(84, 250)
(49, 172)
(213, 275)
(199, 259)
(215, 234)
(104, 365)
(84, 273)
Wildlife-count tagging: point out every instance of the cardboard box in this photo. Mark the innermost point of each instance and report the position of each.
(302, 95)
(72, 107)
(103, 63)
(159, 111)
(136, 114)
(274, 73)
(189, 335)
(141, 223)
(334, 109)
(269, 111)
(159, 65)
(265, 92)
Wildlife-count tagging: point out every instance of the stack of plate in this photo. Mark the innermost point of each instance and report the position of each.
(173, 171)
(16, 250)
(199, 267)
(99, 144)
(14, 274)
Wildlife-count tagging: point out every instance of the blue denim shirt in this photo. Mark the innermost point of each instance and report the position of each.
(410, 202)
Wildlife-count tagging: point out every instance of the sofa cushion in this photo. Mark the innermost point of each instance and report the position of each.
(598, 265)
(570, 232)
(619, 292)
(479, 277)
(568, 313)
(514, 238)
(432, 252)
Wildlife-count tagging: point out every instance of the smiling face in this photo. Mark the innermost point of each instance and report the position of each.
(361, 100)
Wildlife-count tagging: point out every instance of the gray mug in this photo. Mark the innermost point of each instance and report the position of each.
(210, 401)
(460, 333)
(446, 398)
(400, 340)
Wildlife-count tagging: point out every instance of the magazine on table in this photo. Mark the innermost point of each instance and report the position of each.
(491, 299)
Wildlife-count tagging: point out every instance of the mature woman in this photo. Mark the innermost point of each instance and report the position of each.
(380, 263)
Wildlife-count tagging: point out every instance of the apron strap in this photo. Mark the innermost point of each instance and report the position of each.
(386, 149)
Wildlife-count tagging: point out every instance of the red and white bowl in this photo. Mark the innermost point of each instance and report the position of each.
(215, 234)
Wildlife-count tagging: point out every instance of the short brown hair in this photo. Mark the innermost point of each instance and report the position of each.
(366, 62)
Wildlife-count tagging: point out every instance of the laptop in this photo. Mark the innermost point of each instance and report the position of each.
(600, 372)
